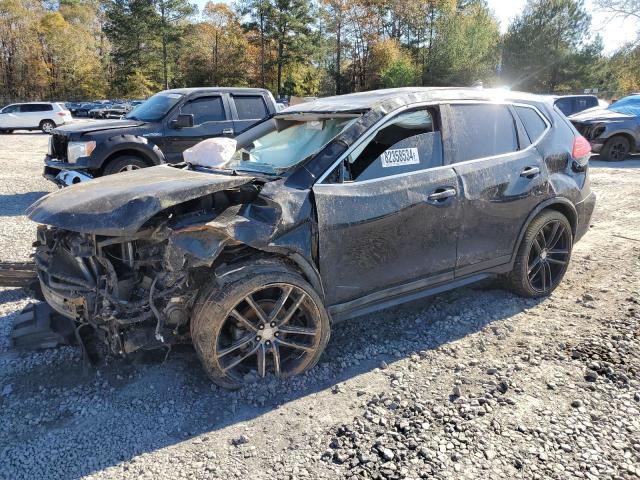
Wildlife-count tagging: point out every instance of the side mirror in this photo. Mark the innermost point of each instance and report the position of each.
(182, 121)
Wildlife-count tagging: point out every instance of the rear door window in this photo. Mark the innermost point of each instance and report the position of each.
(411, 142)
(250, 107)
(205, 109)
(482, 130)
(533, 123)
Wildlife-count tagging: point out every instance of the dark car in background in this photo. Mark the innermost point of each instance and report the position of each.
(117, 110)
(156, 131)
(613, 132)
(329, 210)
(73, 106)
(83, 109)
(570, 104)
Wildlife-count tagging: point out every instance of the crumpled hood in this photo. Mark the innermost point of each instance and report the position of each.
(598, 114)
(120, 204)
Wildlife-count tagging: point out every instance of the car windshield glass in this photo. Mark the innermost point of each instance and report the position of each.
(155, 108)
(282, 149)
(627, 105)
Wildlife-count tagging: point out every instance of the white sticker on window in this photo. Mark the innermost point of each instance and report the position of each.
(399, 157)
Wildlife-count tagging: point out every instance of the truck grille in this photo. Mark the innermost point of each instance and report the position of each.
(59, 146)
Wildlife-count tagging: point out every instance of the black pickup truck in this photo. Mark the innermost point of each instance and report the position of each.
(156, 132)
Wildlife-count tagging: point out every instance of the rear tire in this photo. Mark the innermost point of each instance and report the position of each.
(615, 149)
(543, 256)
(124, 163)
(47, 126)
(238, 345)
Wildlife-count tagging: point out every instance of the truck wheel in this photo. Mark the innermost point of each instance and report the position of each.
(124, 164)
(543, 256)
(47, 126)
(7, 132)
(260, 318)
(615, 149)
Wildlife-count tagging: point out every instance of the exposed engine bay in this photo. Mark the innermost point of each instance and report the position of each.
(137, 291)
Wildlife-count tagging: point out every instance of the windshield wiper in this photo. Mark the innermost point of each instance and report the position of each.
(256, 171)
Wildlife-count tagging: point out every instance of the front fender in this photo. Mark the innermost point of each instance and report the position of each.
(611, 130)
(125, 143)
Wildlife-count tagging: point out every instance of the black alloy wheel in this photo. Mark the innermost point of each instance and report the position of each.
(548, 256)
(543, 255)
(616, 149)
(260, 319)
(272, 329)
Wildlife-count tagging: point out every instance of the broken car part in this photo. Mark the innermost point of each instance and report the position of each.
(329, 210)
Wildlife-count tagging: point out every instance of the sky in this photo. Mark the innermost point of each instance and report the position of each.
(614, 32)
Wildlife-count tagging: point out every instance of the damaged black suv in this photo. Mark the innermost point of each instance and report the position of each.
(330, 210)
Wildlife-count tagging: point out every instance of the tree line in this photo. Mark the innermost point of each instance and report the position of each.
(89, 49)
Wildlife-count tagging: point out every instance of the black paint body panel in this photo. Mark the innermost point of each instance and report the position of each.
(362, 245)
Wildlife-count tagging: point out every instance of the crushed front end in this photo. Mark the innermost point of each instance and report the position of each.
(126, 255)
(121, 287)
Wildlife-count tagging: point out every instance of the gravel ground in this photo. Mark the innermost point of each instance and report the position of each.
(474, 383)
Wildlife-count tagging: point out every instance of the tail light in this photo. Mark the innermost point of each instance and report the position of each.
(581, 147)
(62, 114)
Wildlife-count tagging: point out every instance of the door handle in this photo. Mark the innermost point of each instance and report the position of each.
(442, 194)
(227, 131)
(530, 172)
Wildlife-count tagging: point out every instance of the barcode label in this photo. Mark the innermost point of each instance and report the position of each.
(399, 157)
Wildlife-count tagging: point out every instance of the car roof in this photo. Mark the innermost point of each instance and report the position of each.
(557, 97)
(362, 101)
(633, 96)
(186, 91)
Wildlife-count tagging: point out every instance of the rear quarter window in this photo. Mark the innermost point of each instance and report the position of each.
(250, 107)
(533, 123)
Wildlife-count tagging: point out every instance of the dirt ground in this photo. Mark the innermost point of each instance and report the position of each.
(474, 383)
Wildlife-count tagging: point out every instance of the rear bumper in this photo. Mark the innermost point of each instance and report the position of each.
(585, 211)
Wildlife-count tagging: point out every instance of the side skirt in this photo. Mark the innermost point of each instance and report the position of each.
(396, 296)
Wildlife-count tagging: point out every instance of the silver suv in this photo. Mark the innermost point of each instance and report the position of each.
(33, 116)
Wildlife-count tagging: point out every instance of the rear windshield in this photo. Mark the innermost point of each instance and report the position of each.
(155, 108)
(628, 105)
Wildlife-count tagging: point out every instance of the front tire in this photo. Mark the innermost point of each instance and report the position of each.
(543, 256)
(47, 126)
(261, 318)
(615, 149)
(124, 164)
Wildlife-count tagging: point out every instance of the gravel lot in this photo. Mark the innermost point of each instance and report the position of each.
(475, 383)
